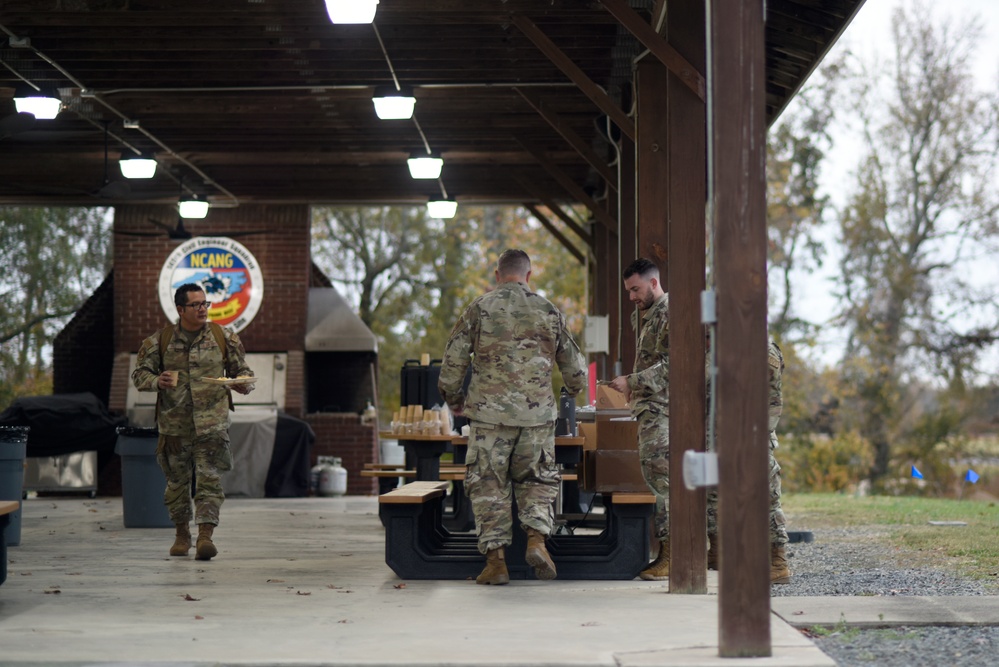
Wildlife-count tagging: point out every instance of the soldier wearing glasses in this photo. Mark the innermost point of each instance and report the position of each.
(192, 416)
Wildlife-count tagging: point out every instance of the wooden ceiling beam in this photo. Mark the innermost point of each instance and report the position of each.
(571, 137)
(575, 74)
(577, 193)
(659, 47)
(547, 224)
(538, 193)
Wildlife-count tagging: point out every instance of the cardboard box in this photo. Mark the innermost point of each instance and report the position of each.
(609, 434)
(615, 471)
(617, 434)
(610, 457)
(607, 397)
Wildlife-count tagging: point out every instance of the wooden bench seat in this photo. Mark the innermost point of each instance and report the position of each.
(413, 493)
(7, 508)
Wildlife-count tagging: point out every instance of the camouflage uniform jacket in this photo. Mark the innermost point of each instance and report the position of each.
(512, 338)
(775, 368)
(649, 382)
(192, 408)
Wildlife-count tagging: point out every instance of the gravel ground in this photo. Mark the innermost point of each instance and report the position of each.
(858, 562)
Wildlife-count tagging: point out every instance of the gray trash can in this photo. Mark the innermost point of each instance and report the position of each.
(142, 481)
(13, 448)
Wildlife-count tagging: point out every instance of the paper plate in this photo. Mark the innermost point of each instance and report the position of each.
(229, 381)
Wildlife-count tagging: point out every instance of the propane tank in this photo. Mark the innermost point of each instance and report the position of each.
(314, 473)
(333, 479)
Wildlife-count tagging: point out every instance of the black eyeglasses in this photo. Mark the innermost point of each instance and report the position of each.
(197, 305)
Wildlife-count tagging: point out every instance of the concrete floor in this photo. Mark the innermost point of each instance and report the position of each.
(304, 582)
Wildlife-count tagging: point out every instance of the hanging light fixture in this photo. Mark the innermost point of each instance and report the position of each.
(392, 104)
(351, 11)
(193, 207)
(425, 165)
(42, 105)
(137, 166)
(442, 208)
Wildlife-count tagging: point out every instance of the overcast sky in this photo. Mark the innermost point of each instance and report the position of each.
(869, 37)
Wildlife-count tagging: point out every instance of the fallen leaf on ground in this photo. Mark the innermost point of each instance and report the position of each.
(199, 618)
(275, 581)
(345, 620)
(188, 597)
(25, 574)
(53, 592)
(799, 613)
(399, 586)
(336, 588)
(305, 593)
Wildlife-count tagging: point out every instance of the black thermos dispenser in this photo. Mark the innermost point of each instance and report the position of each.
(566, 424)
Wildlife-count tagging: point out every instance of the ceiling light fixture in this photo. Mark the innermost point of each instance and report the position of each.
(392, 104)
(40, 104)
(425, 166)
(351, 11)
(442, 208)
(138, 166)
(193, 208)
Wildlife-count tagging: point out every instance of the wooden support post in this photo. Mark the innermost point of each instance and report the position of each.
(738, 189)
(628, 247)
(686, 141)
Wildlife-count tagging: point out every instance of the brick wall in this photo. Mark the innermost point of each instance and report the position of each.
(284, 257)
(342, 434)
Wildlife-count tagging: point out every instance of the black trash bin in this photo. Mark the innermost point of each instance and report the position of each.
(142, 481)
(13, 448)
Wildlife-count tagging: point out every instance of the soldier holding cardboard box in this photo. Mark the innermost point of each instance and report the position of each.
(647, 388)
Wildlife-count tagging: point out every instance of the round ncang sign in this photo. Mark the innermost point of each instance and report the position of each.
(225, 270)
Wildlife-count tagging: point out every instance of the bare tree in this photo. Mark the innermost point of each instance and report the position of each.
(923, 212)
(52, 259)
(796, 148)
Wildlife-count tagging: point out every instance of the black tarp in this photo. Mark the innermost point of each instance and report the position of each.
(288, 475)
(65, 423)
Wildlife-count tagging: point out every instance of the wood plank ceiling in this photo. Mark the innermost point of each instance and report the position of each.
(267, 101)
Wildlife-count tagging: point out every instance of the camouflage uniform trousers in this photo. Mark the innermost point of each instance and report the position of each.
(778, 524)
(505, 462)
(209, 456)
(653, 453)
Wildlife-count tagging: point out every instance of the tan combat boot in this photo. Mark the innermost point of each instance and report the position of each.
(537, 555)
(780, 573)
(713, 552)
(658, 570)
(182, 543)
(205, 549)
(495, 572)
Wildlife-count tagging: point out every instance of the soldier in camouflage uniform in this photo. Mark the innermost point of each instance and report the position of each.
(192, 416)
(647, 389)
(512, 338)
(779, 571)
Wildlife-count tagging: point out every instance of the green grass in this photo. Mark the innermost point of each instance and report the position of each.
(971, 550)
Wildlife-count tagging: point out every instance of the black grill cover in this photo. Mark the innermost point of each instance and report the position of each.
(65, 423)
